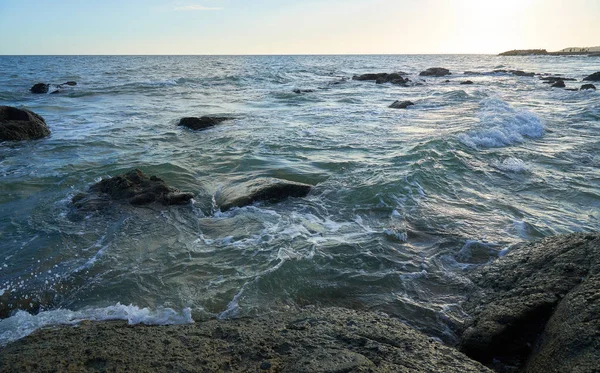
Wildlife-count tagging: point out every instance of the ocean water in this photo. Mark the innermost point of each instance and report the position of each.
(405, 202)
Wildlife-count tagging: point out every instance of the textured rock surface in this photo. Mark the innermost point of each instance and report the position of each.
(324, 340)
(588, 86)
(133, 187)
(435, 71)
(595, 77)
(39, 88)
(466, 82)
(260, 189)
(380, 78)
(401, 104)
(540, 302)
(201, 123)
(21, 124)
(559, 84)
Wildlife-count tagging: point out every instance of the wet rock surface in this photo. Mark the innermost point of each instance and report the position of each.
(201, 123)
(39, 88)
(588, 86)
(401, 104)
(558, 84)
(381, 78)
(312, 340)
(466, 82)
(21, 124)
(260, 189)
(538, 307)
(435, 71)
(133, 187)
(595, 77)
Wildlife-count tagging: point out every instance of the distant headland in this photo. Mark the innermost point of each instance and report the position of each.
(576, 51)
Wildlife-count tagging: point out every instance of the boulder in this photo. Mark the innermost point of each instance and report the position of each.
(588, 86)
(260, 189)
(558, 84)
(299, 91)
(466, 82)
(40, 88)
(595, 77)
(538, 304)
(435, 71)
(380, 78)
(21, 124)
(330, 340)
(401, 104)
(202, 123)
(134, 188)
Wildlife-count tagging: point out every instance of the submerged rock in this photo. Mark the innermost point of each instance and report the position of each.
(21, 124)
(513, 72)
(299, 91)
(588, 86)
(260, 189)
(435, 71)
(595, 77)
(70, 83)
(466, 82)
(200, 123)
(558, 84)
(133, 187)
(554, 79)
(540, 303)
(40, 88)
(401, 104)
(331, 340)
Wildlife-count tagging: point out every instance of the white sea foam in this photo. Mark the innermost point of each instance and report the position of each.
(511, 164)
(23, 323)
(502, 126)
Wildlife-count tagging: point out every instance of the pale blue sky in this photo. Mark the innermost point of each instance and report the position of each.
(294, 26)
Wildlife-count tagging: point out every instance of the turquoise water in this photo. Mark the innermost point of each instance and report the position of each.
(405, 201)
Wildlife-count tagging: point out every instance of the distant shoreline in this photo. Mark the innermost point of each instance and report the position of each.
(543, 52)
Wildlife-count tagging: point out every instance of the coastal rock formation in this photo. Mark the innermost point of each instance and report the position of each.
(595, 77)
(21, 124)
(525, 52)
(401, 104)
(466, 82)
(558, 84)
(40, 88)
(435, 71)
(540, 303)
(313, 340)
(380, 78)
(133, 187)
(260, 189)
(588, 86)
(202, 123)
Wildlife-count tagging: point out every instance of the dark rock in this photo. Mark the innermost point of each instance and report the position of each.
(40, 88)
(201, 123)
(133, 187)
(466, 82)
(55, 91)
(554, 79)
(380, 78)
(21, 124)
(595, 77)
(71, 83)
(571, 89)
(299, 91)
(513, 72)
(473, 73)
(260, 189)
(558, 84)
(401, 104)
(588, 86)
(549, 287)
(327, 344)
(435, 71)
(446, 81)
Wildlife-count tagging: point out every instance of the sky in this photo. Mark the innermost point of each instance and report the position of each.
(295, 26)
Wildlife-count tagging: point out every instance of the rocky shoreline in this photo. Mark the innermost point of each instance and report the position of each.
(534, 310)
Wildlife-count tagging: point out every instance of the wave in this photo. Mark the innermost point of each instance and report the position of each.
(511, 164)
(503, 126)
(23, 323)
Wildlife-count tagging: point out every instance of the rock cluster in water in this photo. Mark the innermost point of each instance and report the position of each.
(45, 87)
(21, 124)
(435, 71)
(381, 78)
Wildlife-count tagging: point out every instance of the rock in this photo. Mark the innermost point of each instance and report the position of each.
(299, 91)
(559, 84)
(513, 72)
(201, 123)
(40, 88)
(260, 189)
(446, 81)
(549, 287)
(401, 104)
(133, 187)
(588, 86)
(71, 83)
(330, 340)
(435, 71)
(21, 124)
(466, 82)
(524, 52)
(473, 73)
(595, 77)
(571, 89)
(380, 78)
(554, 79)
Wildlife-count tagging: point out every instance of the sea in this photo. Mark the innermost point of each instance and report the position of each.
(406, 202)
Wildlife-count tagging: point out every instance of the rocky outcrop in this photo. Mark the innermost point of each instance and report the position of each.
(312, 340)
(201, 123)
(538, 306)
(40, 88)
(134, 188)
(525, 52)
(595, 77)
(21, 124)
(559, 84)
(588, 86)
(380, 78)
(435, 71)
(260, 189)
(401, 104)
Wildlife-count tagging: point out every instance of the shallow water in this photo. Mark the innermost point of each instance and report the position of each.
(405, 201)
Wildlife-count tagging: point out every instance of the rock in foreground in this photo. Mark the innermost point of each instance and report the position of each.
(435, 71)
(133, 187)
(261, 189)
(201, 123)
(595, 77)
(315, 341)
(21, 124)
(540, 303)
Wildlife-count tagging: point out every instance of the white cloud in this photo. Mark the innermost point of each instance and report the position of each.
(195, 7)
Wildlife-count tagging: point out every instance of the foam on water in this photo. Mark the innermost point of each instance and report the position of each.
(511, 164)
(23, 323)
